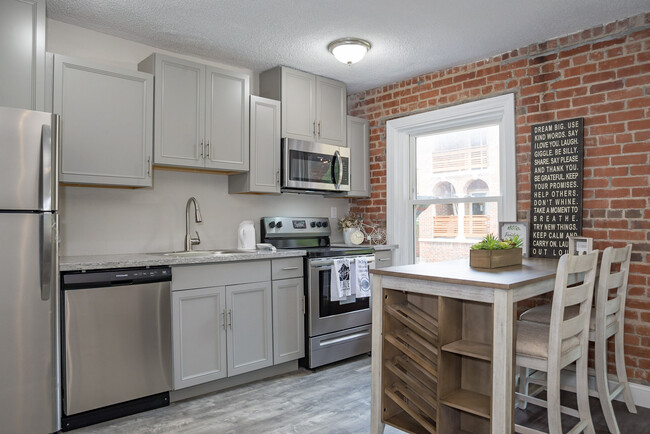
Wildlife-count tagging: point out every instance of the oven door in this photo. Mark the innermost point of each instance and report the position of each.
(314, 166)
(325, 315)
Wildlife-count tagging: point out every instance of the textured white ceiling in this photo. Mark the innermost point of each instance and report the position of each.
(409, 37)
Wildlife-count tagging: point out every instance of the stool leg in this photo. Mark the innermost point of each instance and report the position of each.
(582, 389)
(523, 386)
(553, 401)
(621, 374)
(602, 385)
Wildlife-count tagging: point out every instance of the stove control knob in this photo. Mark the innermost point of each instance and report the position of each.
(312, 224)
(325, 224)
(318, 224)
(272, 225)
(278, 225)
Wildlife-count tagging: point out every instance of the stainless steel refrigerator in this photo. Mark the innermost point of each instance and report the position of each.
(29, 349)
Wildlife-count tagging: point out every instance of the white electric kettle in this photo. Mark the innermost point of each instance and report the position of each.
(246, 235)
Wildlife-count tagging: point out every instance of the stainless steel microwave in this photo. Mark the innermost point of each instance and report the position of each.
(314, 167)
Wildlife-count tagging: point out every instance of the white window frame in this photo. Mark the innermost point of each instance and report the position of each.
(400, 192)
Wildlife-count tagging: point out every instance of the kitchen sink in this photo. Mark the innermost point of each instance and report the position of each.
(200, 253)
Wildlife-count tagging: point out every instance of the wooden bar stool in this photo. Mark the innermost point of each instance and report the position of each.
(551, 347)
(606, 321)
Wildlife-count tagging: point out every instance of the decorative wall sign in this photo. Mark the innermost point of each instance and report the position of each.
(556, 186)
(508, 229)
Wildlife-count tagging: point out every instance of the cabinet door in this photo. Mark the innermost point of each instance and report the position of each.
(298, 105)
(357, 139)
(264, 175)
(249, 327)
(22, 50)
(226, 117)
(199, 335)
(179, 112)
(288, 320)
(106, 123)
(330, 111)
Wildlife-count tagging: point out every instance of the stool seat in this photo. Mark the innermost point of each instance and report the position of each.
(532, 340)
(542, 314)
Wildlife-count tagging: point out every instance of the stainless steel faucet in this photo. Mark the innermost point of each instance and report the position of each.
(189, 240)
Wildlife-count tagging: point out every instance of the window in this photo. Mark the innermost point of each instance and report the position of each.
(451, 178)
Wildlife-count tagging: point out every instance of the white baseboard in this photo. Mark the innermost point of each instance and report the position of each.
(641, 394)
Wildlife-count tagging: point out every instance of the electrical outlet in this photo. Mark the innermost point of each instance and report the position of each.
(333, 211)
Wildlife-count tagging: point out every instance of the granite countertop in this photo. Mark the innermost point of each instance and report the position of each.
(97, 262)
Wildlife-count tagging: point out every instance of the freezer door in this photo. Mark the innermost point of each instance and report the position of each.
(28, 156)
(28, 360)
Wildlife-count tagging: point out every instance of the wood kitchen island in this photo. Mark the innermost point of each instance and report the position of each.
(443, 344)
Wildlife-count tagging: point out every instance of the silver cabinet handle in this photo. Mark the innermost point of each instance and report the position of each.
(223, 317)
(384, 259)
(149, 166)
(277, 177)
(207, 152)
(230, 316)
(202, 149)
(289, 268)
(318, 128)
(304, 310)
(314, 129)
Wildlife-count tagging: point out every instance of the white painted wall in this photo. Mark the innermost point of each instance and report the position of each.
(108, 220)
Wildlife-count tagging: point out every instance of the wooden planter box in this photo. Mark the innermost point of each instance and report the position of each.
(494, 258)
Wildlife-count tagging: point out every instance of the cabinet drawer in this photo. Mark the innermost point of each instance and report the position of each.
(383, 258)
(286, 268)
(228, 273)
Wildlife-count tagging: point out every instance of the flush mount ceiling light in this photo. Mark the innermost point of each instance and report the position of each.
(349, 50)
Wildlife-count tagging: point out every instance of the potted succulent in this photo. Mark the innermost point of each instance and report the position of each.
(349, 224)
(491, 252)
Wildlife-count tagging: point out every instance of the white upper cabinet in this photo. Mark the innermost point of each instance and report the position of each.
(22, 50)
(313, 107)
(264, 173)
(200, 116)
(331, 109)
(357, 140)
(298, 104)
(106, 123)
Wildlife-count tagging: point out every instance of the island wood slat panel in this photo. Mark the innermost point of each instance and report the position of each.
(436, 372)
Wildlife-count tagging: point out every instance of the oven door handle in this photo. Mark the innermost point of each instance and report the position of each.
(326, 265)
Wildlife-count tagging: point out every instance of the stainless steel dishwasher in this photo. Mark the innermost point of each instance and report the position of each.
(116, 338)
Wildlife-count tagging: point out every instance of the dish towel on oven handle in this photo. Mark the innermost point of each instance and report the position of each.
(361, 278)
(340, 287)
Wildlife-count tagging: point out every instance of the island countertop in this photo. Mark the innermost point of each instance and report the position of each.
(459, 272)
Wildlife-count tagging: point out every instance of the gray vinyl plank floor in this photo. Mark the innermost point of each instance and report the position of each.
(334, 399)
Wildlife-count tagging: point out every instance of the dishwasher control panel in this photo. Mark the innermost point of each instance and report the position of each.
(117, 277)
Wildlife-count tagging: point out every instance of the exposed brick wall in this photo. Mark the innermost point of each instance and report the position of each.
(601, 74)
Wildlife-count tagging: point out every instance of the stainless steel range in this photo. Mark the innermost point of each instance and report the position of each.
(335, 330)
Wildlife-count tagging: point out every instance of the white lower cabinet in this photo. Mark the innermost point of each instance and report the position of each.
(229, 319)
(199, 335)
(249, 333)
(288, 320)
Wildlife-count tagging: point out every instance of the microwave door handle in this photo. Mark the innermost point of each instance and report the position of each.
(337, 158)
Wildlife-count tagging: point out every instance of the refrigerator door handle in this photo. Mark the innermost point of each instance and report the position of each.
(46, 256)
(49, 172)
(46, 168)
